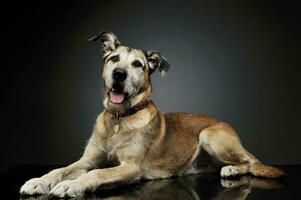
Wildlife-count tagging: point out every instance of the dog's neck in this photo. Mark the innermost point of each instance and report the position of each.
(135, 104)
(141, 115)
(138, 103)
(130, 111)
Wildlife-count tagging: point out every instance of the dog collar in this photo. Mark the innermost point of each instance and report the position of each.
(132, 110)
(116, 115)
(136, 108)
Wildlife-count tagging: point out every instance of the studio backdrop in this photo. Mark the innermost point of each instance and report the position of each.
(236, 61)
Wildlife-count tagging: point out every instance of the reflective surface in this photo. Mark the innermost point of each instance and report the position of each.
(195, 187)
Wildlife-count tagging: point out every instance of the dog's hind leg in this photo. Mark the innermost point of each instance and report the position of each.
(223, 144)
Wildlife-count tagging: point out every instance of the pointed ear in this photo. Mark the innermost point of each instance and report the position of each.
(157, 61)
(109, 42)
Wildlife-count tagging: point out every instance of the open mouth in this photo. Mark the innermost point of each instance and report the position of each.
(117, 97)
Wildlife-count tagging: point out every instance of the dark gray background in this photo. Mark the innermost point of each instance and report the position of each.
(237, 61)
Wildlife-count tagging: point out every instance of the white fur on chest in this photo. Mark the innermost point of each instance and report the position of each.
(124, 142)
(131, 138)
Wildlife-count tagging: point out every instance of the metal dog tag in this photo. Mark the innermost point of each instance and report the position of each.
(116, 128)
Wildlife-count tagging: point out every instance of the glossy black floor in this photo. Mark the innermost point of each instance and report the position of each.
(195, 187)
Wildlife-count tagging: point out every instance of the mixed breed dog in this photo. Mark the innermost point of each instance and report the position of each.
(133, 140)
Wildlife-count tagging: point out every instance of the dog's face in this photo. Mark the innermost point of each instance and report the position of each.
(126, 72)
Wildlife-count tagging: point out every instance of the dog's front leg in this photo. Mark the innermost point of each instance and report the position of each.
(91, 158)
(125, 172)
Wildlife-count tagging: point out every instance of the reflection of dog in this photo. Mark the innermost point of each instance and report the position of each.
(140, 142)
(187, 187)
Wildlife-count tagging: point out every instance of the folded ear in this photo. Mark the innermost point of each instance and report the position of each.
(157, 61)
(109, 42)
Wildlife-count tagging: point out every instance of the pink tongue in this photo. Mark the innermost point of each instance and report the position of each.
(116, 98)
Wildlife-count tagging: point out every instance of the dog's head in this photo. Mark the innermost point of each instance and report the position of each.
(126, 72)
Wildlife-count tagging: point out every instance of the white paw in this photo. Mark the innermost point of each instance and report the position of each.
(34, 186)
(229, 171)
(242, 181)
(69, 188)
(226, 183)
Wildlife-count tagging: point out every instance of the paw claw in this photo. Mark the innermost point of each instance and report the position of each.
(37, 186)
(67, 189)
(34, 186)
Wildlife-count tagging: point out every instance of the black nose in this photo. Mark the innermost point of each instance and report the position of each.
(119, 75)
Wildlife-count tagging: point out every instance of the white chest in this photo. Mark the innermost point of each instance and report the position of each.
(130, 144)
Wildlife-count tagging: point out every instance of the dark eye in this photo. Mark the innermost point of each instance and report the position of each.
(114, 58)
(137, 63)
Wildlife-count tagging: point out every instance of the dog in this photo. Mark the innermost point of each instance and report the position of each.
(133, 140)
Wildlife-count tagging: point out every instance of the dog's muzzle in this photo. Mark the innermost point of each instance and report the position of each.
(116, 94)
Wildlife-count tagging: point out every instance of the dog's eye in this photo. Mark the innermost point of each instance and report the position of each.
(137, 63)
(114, 58)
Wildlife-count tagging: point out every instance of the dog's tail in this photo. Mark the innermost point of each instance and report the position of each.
(259, 169)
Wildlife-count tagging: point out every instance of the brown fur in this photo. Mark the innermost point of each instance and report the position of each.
(147, 144)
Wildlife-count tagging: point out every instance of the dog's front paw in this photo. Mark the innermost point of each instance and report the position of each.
(34, 186)
(69, 188)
